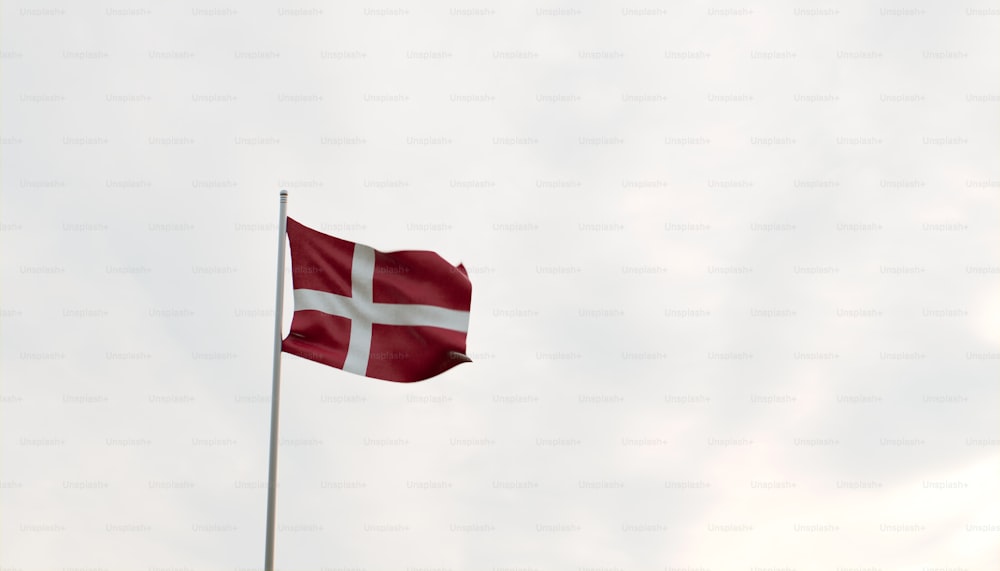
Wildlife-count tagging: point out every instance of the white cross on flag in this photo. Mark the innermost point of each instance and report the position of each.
(398, 316)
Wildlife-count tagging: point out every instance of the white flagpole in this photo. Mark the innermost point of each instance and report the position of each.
(272, 470)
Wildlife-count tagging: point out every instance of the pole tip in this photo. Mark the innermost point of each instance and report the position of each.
(283, 192)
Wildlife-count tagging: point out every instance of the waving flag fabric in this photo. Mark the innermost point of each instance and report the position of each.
(398, 316)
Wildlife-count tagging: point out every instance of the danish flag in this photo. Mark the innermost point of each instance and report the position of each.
(398, 316)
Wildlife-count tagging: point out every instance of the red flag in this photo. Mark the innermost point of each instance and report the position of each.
(397, 316)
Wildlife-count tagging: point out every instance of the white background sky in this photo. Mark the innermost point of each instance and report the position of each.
(735, 284)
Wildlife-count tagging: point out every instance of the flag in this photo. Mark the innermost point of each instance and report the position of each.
(398, 316)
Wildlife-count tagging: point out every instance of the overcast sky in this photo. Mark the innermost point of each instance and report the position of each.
(736, 284)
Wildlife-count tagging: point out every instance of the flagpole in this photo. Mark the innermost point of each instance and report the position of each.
(272, 469)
